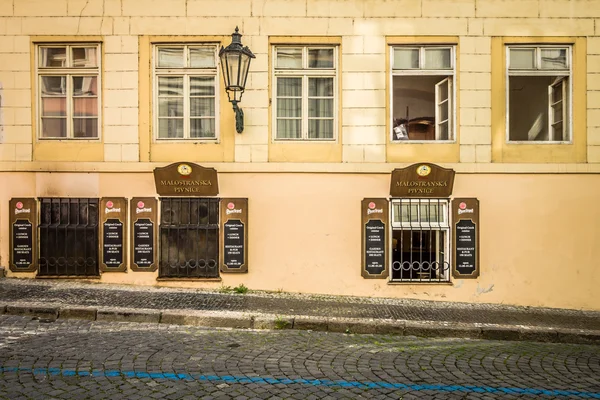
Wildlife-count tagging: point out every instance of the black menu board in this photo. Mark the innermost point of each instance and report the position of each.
(22, 213)
(465, 247)
(375, 247)
(233, 245)
(22, 243)
(374, 216)
(234, 235)
(143, 242)
(465, 238)
(113, 243)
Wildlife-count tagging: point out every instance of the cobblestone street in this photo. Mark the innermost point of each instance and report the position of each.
(74, 359)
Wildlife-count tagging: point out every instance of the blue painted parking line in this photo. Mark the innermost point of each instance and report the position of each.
(312, 382)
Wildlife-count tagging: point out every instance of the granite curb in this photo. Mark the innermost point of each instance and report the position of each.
(246, 320)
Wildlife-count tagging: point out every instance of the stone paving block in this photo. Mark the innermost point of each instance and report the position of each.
(128, 316)
(34, 311)
(86, 313)
(573, 336)
(499, 333)
(310, 323)
(351, 326)
(390, 327)
(276, 323)
(538, 335)
(421, 329)
(207, 320)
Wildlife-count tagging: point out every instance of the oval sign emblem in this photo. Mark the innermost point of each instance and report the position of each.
(184, 169)
(423, 170)
(462, 205)
(109, 204)
(19, 205)
(140, 204)
(372, 205)
(231, 206)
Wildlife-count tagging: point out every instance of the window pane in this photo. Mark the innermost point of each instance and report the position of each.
(289, 57)
(54, 85)
(202, 128)
(320, 129)
(202, 57)
(406, 58)
(85, 86)
(170, 57)
(170, 128)
(170, 86)
(202, 107)
(85, 127)
(320, 87)
(522, 58)
(54, 127)
(289, 87)
(320, 108)
(320, 58)
(54, 106)
(53, 57)
(528, 107)
(288, 129)
(84, 57)
(443, 131)
(85, 107)
(171, 107)
(438, 59)
(554, 59)
(202, 86)
(289, 108)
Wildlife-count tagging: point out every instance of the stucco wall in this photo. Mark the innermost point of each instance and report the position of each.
(538, 236)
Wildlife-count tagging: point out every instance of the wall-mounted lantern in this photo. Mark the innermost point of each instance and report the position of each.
(235, 64)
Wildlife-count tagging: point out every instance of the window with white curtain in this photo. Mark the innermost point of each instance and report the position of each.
(68, 90)
(422, 95)
(304, 92)
(185, 92)
(539, 93)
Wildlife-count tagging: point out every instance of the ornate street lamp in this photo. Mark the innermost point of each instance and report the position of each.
(235, 63)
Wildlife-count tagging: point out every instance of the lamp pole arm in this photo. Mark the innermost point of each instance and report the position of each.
(239, 117)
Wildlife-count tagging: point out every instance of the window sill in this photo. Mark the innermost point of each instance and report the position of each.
(536, 142)
(189, 279)
(403, 283)
(74, 277)
(403, 142)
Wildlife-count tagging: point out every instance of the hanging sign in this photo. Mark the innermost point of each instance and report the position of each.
(374, 214)
(422, 180)
(186, 179)
(465, 238)
(143, 234)
(113, 234)
(23, 229)
(234, 235)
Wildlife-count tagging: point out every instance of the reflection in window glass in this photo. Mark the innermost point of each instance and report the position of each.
(202, 57)
(170, 57)
(289, 57)
(406, 58)
(53, 57)
(320, 58)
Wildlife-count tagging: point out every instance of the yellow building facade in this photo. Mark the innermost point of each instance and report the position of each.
(500, 97)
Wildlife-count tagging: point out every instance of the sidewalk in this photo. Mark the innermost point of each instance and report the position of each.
(52, 299)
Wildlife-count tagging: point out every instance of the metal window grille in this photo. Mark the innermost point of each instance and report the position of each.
(189, 238)
(420, 240)
(68, 237)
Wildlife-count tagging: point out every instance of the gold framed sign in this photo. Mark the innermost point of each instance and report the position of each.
(422, 180)
(23, 234)
(113, 234)
(374, 232)
(234, 235)
(143, 219)
(465, 238)
(186, 179)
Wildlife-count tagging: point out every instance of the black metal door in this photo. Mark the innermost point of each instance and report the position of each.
(189, 238)
(68, 237)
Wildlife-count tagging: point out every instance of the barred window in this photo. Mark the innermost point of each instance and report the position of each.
(420, 240)
(68, 91)
(186, 94)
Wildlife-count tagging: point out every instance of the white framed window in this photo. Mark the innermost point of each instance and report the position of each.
(420, 240)
(186, 94)
(539, 93)
(423, 93)
(305, 92)
(68, 90)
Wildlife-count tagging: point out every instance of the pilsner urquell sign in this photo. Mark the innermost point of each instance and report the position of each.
(186, 179)
(422, 180)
